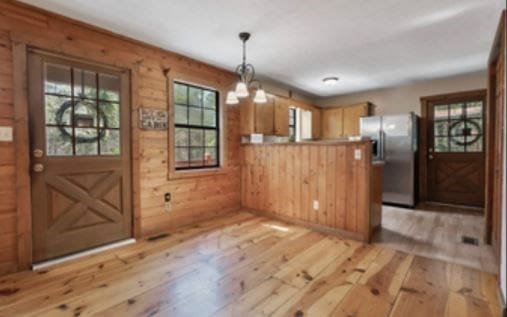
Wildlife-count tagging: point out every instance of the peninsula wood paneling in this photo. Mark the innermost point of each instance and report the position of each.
(284, 180)
(193, 199)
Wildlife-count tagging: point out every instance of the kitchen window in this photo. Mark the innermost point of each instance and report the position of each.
(197, 127)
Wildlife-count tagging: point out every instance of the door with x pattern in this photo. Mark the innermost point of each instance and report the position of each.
(80, 155)
(456, 145)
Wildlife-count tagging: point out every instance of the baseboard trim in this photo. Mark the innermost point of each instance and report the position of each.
(313, 226)
(49, 263)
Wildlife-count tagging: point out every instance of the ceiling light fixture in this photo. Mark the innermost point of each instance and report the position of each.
(246, 73)
(330, 81)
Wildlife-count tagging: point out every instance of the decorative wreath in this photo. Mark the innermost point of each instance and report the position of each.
(79, 139)
(468, 140)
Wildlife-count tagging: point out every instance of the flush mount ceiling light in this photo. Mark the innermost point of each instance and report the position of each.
(330, 81)
(246, 73)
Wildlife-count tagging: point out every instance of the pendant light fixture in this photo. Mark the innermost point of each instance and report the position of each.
(246, 73)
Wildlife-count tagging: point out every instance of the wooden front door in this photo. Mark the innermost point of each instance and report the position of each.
(80, 156)
(455, 156)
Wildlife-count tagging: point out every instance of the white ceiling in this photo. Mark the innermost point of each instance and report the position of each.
(367, 43)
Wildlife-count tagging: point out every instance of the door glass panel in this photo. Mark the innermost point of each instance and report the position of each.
(196, 137)
(457, 144)
(474, 109)
(474, 143)
(209, 118)
(85, 114)
(109, 87)
(85, 84)
(456, 128)
(58, 143)
(58, 80)
(456, 111)
(194, 96)
(440, 112)
(441, 128)
(210, 138)
(58, 110)
(181, 115)
(110, 142)
(87, 121)
(474, 126)
(109, 114)
(441, 144)
(86, 141)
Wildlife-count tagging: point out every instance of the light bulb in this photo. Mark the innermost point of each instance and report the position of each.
(241, 90)
(260, 96)
(231, 99)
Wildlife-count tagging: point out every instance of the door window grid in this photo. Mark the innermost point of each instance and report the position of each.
(196, 127)
(458, 127)
(82, 112)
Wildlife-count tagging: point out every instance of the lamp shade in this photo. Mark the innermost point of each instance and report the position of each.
(241, 90)
(231, 99)
(260, 96)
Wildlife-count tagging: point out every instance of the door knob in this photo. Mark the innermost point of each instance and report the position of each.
(38, 167)
(38, 153)
(430, 157)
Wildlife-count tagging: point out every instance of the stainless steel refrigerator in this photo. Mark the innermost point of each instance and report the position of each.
(394, 141)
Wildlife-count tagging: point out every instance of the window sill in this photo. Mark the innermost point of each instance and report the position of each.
(197, 173)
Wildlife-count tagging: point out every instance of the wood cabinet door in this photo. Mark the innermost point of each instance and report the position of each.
(281, 116)
(316, 126)
(332, 123)
(246, 116)
(351, 116)
(80, 156)
(264, 116)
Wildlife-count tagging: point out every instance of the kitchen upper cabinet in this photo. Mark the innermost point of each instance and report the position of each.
(316, 126)
(343, 121)
(281, 122)
(352, 116)
(332, 123)
(264, 116)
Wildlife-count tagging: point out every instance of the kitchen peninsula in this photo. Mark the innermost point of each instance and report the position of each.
(326, 185)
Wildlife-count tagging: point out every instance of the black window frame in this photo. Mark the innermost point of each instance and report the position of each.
(203, 127)
(292, 112)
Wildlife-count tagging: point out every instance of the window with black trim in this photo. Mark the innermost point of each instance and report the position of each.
(292, 124)
(197, 127)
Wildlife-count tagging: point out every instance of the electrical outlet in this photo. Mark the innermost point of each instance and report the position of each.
(315, 205)
(167, 202)
(6, 134)
(358, 154)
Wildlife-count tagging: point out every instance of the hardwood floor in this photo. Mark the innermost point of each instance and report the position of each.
(437, 235)
(245, 265)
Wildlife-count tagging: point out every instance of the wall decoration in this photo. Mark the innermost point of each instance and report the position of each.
(152, 119)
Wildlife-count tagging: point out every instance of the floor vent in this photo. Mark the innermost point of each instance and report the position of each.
(470, 240)
(158, 237)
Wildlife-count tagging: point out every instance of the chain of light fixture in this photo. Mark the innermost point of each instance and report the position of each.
(246, 73)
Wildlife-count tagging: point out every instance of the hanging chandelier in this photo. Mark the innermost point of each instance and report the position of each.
(246, 73)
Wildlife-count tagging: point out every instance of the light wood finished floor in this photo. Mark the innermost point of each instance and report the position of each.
(437, 235)
(245, 265)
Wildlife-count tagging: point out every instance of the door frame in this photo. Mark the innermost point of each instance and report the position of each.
(424, 132)
(20, 51)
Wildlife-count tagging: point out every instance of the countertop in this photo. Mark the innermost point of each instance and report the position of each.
(320, 142)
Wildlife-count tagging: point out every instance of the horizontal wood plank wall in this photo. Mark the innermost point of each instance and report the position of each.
(283, 180)
(193, 199)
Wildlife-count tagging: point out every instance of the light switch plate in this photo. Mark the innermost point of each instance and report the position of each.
(357, 154)
(315, 205)
(6, 134)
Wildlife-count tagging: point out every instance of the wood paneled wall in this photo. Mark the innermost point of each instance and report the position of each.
(193, 198)
(285, 179)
